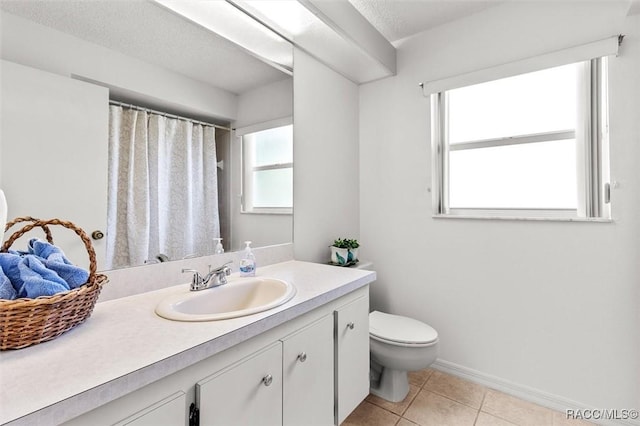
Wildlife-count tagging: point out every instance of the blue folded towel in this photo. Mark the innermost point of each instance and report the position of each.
(30, 277)
(6, 288)
(45, 250)
(53, 258)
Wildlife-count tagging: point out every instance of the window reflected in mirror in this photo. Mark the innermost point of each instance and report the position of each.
(267, 160)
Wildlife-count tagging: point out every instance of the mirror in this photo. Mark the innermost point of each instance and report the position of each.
(64, 61)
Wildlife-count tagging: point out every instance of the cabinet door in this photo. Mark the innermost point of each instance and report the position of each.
(54, 143)
(247, 393)
(307, 364)
(169, 411)
(351, 356)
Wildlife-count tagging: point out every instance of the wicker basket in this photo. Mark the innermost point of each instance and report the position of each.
(26, 322)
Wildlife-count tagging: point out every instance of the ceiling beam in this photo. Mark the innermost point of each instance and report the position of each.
(345, 19)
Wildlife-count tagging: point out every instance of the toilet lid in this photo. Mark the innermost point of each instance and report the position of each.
(396, 328)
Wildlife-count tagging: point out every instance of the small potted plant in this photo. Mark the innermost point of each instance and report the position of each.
(344, 251)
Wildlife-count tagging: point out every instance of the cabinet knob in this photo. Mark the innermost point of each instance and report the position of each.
(97, 235)
(302, 357)
(266, 380)
(351, 326)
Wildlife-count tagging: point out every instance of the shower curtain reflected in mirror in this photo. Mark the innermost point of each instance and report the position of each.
(162, 194)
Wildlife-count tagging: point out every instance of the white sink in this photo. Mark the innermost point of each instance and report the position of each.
(239, 297)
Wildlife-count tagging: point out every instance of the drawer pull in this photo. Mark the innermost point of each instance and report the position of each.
(351, 326)
(302, 357)
(266, 380)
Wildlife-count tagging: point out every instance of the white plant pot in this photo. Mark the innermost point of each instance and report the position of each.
(339, 256)
(353, 255)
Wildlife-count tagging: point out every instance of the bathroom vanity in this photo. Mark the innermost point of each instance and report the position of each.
(304, 362)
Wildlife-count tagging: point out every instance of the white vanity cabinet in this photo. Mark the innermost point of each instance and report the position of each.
(142, 408)
(247, 393)
(307, 366)
(309, 370)
(288, 383)
(352, 355)
(169, 411)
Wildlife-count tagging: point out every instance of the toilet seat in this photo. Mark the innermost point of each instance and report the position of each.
(400, 331)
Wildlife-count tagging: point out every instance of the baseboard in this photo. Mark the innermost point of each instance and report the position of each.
(526, 393)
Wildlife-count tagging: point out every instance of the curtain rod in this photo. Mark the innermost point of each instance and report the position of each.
(165, 114)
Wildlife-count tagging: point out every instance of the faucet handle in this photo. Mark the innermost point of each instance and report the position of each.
(222, 268)
(197, 278)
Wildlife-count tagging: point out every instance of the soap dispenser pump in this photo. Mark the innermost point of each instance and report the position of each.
(248, 262)
(219, 249)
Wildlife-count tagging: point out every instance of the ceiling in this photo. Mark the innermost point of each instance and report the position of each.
(399, 19)
(151, 33)
(147, 31)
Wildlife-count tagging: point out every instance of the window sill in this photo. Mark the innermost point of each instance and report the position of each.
(269, 212)
(518, 218)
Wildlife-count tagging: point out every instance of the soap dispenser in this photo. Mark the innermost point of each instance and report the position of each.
(219, 249)
(248, 262)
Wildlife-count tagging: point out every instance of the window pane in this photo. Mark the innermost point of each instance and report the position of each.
(273, 146)
(273, 188)
(534, 175)
(537, 102)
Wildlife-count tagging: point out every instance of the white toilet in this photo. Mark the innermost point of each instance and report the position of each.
(398, 344)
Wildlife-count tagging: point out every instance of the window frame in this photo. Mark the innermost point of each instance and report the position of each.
(591, 135)
(246, 181)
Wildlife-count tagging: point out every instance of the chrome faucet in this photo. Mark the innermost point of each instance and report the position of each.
(215, 278)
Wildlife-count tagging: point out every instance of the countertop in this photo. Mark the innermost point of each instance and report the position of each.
(124, 346)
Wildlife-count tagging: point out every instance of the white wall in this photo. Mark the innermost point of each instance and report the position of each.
(265, 103)
(325, 156)
(552, 307)
(257, 106)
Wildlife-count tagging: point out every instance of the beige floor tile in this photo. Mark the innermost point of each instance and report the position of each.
(405, 422)
(367, 414)
(430, 409)
(560, 419)
(515, 410)
(395, 407)
(455, 388)
(485, 419)
(420, 377)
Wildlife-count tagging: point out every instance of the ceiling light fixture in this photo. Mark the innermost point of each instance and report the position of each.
(289, 18)
(228, 21)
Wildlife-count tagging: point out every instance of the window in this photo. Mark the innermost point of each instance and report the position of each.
(531, 145)
(267, 178)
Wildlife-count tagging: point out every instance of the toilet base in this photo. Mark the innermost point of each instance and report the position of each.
(393, 385)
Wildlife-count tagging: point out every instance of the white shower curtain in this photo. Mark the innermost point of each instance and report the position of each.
(163, 192)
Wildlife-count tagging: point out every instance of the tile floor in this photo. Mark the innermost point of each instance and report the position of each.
(440, 399)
